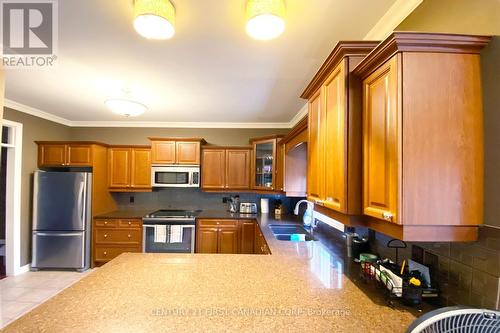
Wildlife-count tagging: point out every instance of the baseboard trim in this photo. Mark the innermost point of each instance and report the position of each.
(22, 269)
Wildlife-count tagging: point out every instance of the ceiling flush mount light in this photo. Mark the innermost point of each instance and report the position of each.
(154, 19)
(126, 107)
(265, 18)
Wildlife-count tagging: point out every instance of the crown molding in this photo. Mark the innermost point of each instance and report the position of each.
(35, 112)
(150, 124)
(400, 41)
(342, 50)
(392, 18)
(299, 116)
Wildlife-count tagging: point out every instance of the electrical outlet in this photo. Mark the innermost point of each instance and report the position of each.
(131, 199)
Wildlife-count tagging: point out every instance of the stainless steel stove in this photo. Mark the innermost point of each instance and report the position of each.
(171, 214)
(170, 231)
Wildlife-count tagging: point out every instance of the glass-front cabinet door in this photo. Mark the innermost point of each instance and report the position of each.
(264, 163)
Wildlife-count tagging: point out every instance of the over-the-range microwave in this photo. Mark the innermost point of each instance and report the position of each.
(175, 176)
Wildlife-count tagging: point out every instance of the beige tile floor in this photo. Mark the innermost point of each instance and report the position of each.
(19, 294)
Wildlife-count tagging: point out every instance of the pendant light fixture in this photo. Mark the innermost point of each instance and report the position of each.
(125, 107)
(154, 19)
(265, 18)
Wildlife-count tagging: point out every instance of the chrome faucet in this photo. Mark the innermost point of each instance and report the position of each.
(308, 218)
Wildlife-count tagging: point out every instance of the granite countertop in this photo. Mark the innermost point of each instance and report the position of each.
(302, 286)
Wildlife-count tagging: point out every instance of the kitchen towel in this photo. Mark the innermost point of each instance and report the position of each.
(176, 233)
(160, 235)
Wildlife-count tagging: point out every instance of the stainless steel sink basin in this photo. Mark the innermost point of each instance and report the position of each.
(284, 232)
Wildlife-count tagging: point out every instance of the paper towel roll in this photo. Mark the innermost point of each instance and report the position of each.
(264, 206)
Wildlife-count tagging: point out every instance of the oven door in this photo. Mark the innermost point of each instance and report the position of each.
(186, 245)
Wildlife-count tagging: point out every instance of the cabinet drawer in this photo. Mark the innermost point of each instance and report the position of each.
(106, 223)
(218, 223)
(103, 253)
(130, 223)
(118, 236)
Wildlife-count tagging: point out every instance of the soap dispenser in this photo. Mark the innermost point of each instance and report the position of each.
(307, 219)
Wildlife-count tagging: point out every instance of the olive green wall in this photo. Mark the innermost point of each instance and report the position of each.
(34, 128)
(473, 17)
(218, 136)
(455, 16)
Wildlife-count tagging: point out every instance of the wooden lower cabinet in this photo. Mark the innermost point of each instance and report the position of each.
(112, 237)
(229, 236)
(207, 239)
(247, 244)
(228, 240)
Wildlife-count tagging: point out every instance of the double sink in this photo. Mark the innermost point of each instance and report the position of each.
(291, 232)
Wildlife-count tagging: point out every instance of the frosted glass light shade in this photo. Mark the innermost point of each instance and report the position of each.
(265, 18)
(154, 19)
(125, 107)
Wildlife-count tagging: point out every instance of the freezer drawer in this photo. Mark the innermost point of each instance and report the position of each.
(60, 250)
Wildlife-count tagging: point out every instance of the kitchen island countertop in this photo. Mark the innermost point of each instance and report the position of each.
(302, 286)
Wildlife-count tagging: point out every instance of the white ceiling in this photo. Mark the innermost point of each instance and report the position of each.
(211, 71)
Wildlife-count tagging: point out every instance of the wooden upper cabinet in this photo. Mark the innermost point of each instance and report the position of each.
(380, 132)
(224, 168)
(65, 154)
(119, 167)
(335, 128)
(334, 146)
(264, 162)
(237, 168)
(129, 168)
(315, 169)
(51, 155)
(213, 168)
(423, 136)
(163, 152)
(140, 168)
(79, 155)
(176, 150)
(280, 167)
(187, 153)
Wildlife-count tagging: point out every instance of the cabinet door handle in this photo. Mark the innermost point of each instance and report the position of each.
(105, 253)
(387, 216)
(129, 223)
(105, 235)
(105, 222)
(129, 236)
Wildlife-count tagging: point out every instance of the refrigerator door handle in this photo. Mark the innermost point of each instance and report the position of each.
(81, 202)
(67, 234)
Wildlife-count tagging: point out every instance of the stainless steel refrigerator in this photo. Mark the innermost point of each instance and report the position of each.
(61, 220)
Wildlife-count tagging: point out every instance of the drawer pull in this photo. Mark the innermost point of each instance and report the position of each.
(129, 223)
(387, 216)
(105, 235)
(105, 222)
(105, 253)
(129, 236)
(218, 222)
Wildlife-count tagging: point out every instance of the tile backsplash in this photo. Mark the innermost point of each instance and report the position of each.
(467, 273)
(189, 198)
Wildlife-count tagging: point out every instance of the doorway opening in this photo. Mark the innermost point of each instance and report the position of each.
(10, 199)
